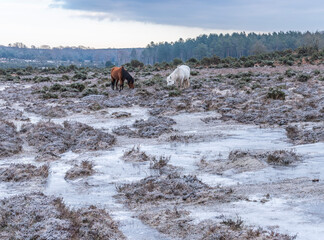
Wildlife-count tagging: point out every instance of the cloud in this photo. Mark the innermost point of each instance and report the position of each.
(257, 15)
(35, 23)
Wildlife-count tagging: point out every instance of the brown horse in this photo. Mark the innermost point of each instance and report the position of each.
(118, 76)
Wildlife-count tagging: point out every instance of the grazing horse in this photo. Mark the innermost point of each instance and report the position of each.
(118, 76)
(180, 77)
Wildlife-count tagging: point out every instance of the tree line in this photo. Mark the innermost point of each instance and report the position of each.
(47, 56)
(234, 45)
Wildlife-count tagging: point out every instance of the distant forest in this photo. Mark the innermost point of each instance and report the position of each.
(230, 45)
(18, 54)
(222, 45)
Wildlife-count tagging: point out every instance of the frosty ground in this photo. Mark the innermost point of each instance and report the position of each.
(238, 155)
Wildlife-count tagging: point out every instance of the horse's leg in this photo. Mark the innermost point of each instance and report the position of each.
(112, 83)
(185, 83)
(120, 86)
(117, 84)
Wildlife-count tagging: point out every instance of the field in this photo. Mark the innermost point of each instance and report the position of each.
(238, 155)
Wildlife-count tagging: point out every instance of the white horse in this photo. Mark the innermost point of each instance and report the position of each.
(180, 77)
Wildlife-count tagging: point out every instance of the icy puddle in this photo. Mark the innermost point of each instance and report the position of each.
(100, 188)
(294, 217)
(304, 217)
(4, 86)
(106, 120)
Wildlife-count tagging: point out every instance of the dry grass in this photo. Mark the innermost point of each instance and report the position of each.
(283, 157)
(83, 170)
(23, 172)
(159, 163)
(36, 216)
(135, 155)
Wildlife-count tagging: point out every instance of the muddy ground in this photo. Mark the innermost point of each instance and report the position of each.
(238, 155)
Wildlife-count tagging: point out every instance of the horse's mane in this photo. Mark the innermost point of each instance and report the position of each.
(127, 76)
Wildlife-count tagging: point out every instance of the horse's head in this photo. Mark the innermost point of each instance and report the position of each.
(130, 82)
(170, 81)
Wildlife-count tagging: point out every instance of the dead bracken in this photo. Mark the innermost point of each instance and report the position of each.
(135, 155)
(52, 139)
(150, 128)
(83, 170)
(124, 131)
(159, 162)
(283, 157)
(36, 216)
(300, 135)
(10, 142)
(166, 187)
(23, 172)
(12, 114)
(120, 114)
(85, 137)
(182, 138)
(172, 187)
(154, 126)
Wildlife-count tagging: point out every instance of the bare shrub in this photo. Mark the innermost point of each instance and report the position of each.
(282, 157)
(181, 138)
(52, 139)
(10, 142)
(135, 155)
(234, 224)
(36, 216)
(23, 172)
(159, 163)
(82, 170)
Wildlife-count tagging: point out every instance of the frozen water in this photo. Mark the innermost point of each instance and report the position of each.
(294, 217)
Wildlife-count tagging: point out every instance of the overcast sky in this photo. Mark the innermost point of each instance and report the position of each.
(130, 23)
